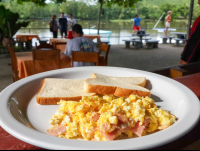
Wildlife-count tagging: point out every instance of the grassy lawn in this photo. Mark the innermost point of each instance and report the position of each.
(121, 20)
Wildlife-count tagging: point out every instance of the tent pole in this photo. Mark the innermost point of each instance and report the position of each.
(190, 18)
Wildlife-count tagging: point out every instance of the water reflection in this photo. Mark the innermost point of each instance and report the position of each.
(122, 29)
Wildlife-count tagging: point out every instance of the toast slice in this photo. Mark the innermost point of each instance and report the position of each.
(53, 90)
(114, 86)
(140, 81)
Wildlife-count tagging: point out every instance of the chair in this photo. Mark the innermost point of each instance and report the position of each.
(104, 59)
(43, 55)
(59, 45)
(14, 64)
(43, 45)
(81, 56)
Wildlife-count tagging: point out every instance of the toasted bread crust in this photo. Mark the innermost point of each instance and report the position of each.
(101, 89)
(117, 91)
(122, 92)
(55, 100)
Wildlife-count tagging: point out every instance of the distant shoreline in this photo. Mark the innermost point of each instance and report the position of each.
(114, 20)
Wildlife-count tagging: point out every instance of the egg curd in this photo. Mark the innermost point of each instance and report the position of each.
(107, 118)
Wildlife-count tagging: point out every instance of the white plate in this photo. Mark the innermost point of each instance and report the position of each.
(22, 117)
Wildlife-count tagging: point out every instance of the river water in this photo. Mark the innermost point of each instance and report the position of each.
(120, 29)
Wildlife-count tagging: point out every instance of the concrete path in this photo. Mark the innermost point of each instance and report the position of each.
(144, 59)
(119, 56)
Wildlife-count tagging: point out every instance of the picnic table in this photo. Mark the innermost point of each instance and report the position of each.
(179, 34)
(179, 38)
(25, 64)
(141, 37)
(27, 38)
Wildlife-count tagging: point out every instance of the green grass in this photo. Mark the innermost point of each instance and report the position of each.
(121, 20)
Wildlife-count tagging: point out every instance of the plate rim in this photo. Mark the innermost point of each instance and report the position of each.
(6, 124)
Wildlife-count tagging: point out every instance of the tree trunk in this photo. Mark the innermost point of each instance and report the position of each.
(99, 16)
(7, 41)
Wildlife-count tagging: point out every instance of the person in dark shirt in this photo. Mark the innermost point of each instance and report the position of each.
(54, 24)
(191, 52)
(63, 25)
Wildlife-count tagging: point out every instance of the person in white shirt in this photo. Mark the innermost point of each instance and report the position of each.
(72, 21)
(80, 43)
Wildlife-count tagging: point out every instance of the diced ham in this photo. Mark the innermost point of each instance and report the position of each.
(95, 116)
(138, 129)
(122, 118)
(105, 127)
(110, 136)
(56, 130)
(122, 129)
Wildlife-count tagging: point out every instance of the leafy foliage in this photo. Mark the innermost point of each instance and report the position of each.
(166, 7)
(184, 10)
(126, 3)
(9, 23)
(83, 9)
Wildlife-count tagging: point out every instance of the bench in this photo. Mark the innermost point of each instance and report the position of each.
(127, 42)
(178, 41)
(138, 44)
(152, 44)
(146, 39)
(164, 39)
(134, 38)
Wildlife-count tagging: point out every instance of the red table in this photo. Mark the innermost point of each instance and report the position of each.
(7, 141)
(192, 82)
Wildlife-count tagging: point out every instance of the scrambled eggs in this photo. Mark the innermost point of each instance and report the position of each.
(105, 118)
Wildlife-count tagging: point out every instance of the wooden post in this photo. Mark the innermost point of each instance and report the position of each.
(100, 16)
(190, 18)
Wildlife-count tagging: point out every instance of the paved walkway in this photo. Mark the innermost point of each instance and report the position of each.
(119, 56)
(144, 59)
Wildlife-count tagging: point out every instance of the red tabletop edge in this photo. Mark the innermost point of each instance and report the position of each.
(192, 82)
(8, 142)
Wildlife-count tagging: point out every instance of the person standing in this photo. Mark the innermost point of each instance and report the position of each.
(168, 18)
(191, 52)
(72, 21)
(54, 26)
(136, 24)
(63, 25)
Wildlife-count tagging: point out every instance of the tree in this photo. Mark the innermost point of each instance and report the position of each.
(166, 7)
(184, 10)
(109, 3)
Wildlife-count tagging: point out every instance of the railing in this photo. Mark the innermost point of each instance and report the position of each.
(119, 36)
